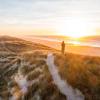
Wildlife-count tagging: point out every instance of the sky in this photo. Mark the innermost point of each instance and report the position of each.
(42, 17)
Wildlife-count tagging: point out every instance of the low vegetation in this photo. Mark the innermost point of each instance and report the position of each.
(35, 81)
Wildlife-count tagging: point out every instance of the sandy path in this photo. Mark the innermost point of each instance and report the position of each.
(64, 87)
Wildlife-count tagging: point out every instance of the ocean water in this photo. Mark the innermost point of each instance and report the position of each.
(92, 43)
(89, 43)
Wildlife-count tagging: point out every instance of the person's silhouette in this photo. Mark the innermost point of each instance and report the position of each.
(63, 47)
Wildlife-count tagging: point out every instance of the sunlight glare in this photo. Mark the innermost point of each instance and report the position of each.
(74, 27)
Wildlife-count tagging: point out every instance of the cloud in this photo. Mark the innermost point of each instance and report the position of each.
(29, 11)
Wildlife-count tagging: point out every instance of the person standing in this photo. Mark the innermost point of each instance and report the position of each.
(63, 47)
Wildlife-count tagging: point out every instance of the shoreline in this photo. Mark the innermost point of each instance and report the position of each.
(70, 48)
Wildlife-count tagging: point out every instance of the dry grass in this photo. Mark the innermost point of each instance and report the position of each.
(81, 72)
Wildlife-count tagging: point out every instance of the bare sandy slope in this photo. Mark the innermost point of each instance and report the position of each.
(76, 49)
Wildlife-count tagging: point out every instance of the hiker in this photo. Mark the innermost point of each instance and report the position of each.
(63, 47)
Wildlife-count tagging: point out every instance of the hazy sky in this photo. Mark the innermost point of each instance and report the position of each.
(25, 16)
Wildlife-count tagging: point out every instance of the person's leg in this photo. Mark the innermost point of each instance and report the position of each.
(62, 50)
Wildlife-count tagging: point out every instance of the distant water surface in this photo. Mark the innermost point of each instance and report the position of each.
(92, 43)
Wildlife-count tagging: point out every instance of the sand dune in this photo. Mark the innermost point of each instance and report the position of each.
(27, 72)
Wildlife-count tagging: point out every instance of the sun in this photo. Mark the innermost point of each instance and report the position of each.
(74, 27)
